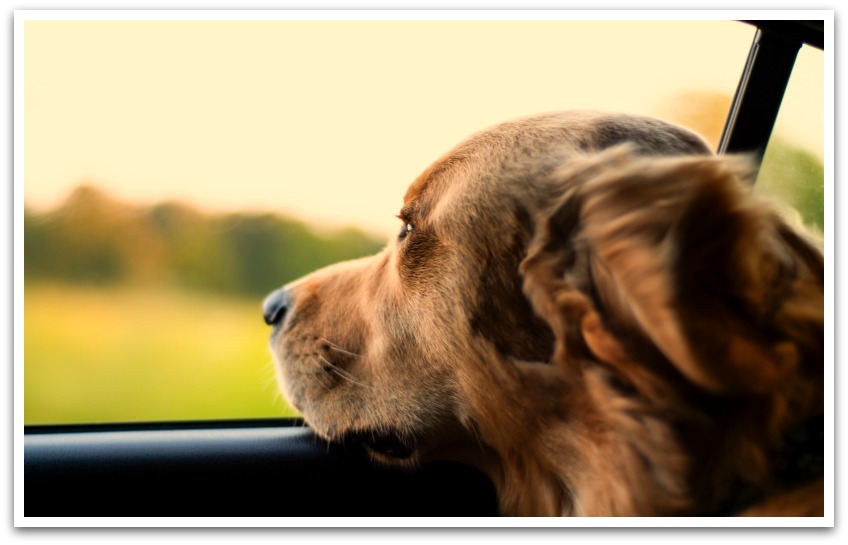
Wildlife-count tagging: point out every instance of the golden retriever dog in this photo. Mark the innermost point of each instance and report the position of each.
(590, 308)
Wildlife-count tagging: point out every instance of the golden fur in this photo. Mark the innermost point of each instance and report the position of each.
(592, 309)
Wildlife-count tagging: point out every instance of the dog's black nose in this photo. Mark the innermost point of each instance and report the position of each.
(275, 306)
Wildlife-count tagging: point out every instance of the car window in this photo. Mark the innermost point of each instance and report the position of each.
(793, 166)
(176, 171)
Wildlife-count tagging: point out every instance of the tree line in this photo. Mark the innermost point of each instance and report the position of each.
(92, 238)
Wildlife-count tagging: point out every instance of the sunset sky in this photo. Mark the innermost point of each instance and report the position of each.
(331, 120)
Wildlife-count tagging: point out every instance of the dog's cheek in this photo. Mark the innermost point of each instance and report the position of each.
(421, 261)
(498, 310)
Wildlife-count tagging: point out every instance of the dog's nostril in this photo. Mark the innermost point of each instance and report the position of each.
(275, 306)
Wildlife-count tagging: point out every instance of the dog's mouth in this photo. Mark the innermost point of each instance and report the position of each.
(388, 443)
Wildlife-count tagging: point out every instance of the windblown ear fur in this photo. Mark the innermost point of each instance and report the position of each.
(679, 254)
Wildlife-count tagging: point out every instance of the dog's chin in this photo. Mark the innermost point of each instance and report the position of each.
(385, 445)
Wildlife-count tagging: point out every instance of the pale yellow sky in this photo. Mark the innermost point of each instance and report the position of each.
(331, 120)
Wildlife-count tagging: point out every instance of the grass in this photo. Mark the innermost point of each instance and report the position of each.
(131, 354)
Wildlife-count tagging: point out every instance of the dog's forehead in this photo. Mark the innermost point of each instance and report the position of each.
(462, 165)
(516, 144)
(525, 150)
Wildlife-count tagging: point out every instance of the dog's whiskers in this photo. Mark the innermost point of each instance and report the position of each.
(342, 373)
(338, 348)
(324, 384)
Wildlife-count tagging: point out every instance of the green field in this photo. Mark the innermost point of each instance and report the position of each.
(125, 354)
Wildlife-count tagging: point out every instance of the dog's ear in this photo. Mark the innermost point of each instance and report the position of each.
(678, 251)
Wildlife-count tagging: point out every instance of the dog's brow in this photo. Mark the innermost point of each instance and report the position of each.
(409, 212)
(432, 173)
(416, 188)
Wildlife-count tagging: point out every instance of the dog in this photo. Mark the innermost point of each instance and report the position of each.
(592, 309)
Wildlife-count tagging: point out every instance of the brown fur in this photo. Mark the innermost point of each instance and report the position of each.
(620, 332)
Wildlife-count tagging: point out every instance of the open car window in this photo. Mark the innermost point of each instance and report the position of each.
(171, 184)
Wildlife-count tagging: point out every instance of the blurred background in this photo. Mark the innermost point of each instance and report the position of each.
(177, 171)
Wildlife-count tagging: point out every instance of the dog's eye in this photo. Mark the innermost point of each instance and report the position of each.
(405, 230)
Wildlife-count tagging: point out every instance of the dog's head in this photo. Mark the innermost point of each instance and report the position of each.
(435, 347)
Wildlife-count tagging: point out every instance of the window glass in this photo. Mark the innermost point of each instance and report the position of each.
(793, 168)
(177, 171)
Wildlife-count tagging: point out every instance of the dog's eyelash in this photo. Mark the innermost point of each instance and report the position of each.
(407, 227)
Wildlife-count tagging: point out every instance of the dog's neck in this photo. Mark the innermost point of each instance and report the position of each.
(801, 463)
(592, 465)
(617, 456)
